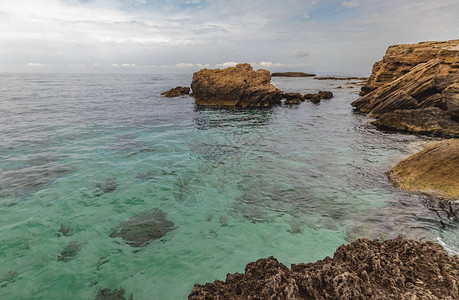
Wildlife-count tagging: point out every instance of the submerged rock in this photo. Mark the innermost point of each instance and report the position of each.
(69, 252)
(176, 92)
(435, 170)
(364, 269)
(115, 294)
(143, 228)
(315, 98)
(8, 278)
(292, 74)
(65, 230)
(106, 186)
(238, 86)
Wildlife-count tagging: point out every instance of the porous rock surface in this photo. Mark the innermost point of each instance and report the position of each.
(364, 269)
(415, 77)
(434, 170)
(238, 86)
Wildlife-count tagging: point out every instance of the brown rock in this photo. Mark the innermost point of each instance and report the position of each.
(364, 269)
(238, 86)
(293, 98)
(292, 74)
(315, 98)
(435, 170)
(400, 59)
(430, 121)
(177, 91)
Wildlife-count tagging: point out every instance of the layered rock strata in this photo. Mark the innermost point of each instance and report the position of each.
(415, 88)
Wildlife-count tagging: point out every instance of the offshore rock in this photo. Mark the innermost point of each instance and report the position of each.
(292, 74)
(143, 228)
(434, 171)
(400, 59)
(364, 269)
(238, 86)
(316, 98)
(176, 92)
(293, 98)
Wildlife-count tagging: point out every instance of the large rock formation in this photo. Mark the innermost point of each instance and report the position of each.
(435, 170)
(400, 59)
(415, 77)
(238, 86)
(364, 269)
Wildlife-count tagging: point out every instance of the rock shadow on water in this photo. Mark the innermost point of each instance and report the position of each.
(115, 294)
(143, 228)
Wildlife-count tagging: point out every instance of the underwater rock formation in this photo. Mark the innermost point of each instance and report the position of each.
(143, 228)
(115, 294)
(364, 269)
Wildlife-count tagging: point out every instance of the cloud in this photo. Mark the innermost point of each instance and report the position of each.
(124, 65)
(227, 64)
(32, 64)
(351, 3)
(190, 65)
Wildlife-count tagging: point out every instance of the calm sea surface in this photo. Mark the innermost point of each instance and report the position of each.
(81, 154)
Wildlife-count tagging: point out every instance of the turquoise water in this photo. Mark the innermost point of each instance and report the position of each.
(88, 152)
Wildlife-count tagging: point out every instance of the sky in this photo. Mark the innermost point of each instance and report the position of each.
(153, 36)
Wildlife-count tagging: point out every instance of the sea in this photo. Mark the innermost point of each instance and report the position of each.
(82, 154)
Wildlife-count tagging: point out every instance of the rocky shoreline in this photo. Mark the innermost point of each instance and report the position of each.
(414, 88)
(364, 269)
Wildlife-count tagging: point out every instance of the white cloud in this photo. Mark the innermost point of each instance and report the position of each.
(190, 65)
(351, 3)
(301, 53)
(124, 65)
(32, 64)
(227, 64)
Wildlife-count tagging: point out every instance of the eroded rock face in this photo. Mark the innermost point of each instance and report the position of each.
(400, 59)
(364, 269)
(143, 228)
(238, 86)
(424, 77)
(435, 170)
(176, 92)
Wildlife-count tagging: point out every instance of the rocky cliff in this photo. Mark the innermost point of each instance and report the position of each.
(238, 86)
(400, 59)
(415, 80)
(364, 269)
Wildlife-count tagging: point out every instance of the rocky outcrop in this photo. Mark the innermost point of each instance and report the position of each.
(292, 74)
(400, 59)
(316, 98)
(430, 121)
(293, 98)
(364, 269)
(430, 83)
(238, 86)
(176, 92)
(435, 170)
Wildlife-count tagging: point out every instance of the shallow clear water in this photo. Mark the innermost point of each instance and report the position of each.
(87, 152)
